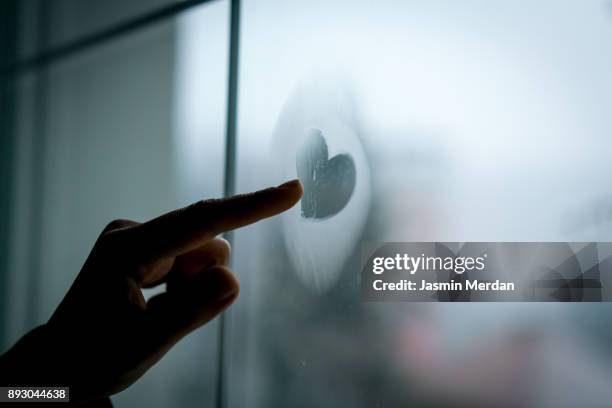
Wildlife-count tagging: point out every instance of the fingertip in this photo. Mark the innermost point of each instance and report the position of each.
(291, 184)
(220, 284)
(226, 244)
(294, 187)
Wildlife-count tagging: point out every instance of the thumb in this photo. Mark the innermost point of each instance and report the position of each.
(174, 314)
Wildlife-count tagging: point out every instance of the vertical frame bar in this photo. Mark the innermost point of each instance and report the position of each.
(224, 357)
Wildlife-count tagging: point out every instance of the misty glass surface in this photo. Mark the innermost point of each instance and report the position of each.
(130, 129)
(469, 121)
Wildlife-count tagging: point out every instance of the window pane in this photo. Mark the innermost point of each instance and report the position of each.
(480, 121)
(131, 129)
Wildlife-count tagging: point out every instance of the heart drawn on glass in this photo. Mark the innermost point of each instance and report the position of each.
(328, 183)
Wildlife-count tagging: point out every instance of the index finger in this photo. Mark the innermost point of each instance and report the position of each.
(185, 229)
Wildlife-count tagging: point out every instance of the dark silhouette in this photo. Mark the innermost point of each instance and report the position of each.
(104, 335)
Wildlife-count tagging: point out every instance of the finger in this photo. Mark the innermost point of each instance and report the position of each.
(172, 315)
(181, 231)
(214, 252)
(154, 273)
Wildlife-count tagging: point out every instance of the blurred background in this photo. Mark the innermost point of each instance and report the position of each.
(468, 121)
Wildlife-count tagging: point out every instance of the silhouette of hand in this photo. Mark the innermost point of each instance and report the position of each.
(104, 335)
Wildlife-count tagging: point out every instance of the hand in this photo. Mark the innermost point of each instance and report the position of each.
(104, 335)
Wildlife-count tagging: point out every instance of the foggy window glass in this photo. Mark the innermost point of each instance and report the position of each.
(477, 121)
(405, 121)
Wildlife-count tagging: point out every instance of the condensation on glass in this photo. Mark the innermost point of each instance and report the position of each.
(479, 123)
